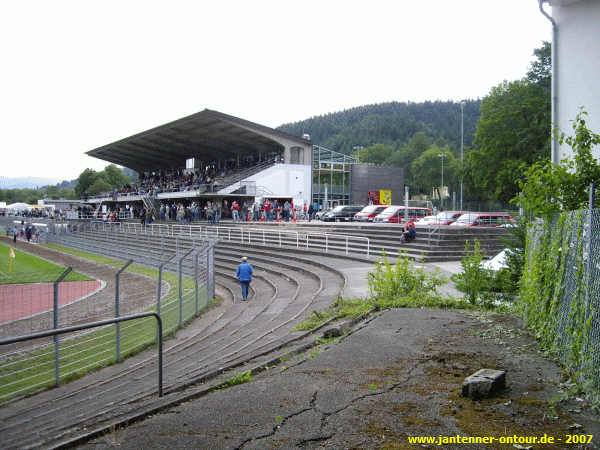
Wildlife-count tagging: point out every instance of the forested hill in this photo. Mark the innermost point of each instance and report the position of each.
(389, 123)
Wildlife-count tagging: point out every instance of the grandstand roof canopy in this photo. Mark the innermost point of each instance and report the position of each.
(207, 135)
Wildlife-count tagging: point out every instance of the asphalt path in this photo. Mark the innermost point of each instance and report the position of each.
(397, 375)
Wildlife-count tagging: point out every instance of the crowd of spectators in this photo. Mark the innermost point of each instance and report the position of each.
(208, 179)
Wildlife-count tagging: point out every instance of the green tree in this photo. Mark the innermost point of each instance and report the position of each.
(409, 152)
(375, 154)
(513, 132)
(115, 176)
(427, 169)
(98, 186)
(549, 188)
(52, 192)
(84, 181)
(67, 193)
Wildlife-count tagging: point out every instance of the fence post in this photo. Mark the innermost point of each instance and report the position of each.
(117, 305)
(588, 269)
(211, 268)
(56, 344)
(159, 288)
(180, 292)
(181, 287)
(196, 279)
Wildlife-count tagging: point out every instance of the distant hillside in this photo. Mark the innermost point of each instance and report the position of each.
(389, 123)
(26, 182)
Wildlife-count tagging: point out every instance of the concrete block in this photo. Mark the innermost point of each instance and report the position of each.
(484, 383)
(337, 330)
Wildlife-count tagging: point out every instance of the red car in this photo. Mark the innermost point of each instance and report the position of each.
(368, 213)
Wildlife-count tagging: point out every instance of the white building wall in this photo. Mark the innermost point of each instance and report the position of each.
(286, 180)
(578, 71)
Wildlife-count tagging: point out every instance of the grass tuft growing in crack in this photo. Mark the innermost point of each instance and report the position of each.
(239, 378)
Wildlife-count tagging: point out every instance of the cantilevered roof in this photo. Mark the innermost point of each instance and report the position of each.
(208, 135)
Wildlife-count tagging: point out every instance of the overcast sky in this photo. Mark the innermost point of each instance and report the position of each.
(80, 74)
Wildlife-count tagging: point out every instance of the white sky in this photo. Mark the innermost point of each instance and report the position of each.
(80, 74)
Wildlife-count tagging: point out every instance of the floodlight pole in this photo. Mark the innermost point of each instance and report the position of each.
(462, 156)
(442, 155)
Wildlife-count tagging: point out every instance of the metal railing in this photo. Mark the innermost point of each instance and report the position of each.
(260, 236)
(58, 331)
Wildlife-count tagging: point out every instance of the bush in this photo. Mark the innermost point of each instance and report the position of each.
(483, 287)
(403, 285)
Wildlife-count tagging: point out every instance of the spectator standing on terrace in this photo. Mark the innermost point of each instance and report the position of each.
(267, 207)
(180, 214)
(235, 214)
(244, 276)
(286, 211)
(244, 210)
(311, 211)
(256, 209)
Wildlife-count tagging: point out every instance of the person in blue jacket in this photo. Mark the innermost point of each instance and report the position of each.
(244, 276)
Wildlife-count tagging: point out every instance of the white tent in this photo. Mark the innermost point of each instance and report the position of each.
(19, 206)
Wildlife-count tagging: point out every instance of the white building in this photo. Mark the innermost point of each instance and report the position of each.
(575, 65)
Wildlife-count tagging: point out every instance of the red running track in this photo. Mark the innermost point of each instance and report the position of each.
(18, 301)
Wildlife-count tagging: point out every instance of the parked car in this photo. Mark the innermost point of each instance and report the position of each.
(342, 213)
(368, 213)
(395, 214)
(483, 220)
(442, 218)
(427, 220)
(319, 214)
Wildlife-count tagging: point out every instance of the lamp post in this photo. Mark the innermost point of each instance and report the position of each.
(442, 155)
(462, 156)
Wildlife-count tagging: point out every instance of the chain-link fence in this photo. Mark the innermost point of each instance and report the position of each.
(129, 274)
(569, 300)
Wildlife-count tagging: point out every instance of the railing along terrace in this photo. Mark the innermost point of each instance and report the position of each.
(258, 236)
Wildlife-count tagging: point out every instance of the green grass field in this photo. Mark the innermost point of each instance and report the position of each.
(24, 374)
(27, 268)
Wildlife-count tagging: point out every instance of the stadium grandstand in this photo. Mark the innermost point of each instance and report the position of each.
(211, 157)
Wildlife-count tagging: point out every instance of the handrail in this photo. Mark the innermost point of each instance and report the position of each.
(100, 323)
(245, 234)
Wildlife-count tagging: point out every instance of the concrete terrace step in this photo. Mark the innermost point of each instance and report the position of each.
(287, 287)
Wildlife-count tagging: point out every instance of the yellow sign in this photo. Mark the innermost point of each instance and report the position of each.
(385, 197)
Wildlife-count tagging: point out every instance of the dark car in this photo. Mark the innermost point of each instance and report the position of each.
(342, 213)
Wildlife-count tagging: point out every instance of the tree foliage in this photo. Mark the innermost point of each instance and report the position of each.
(513, 132)
(549, 188)
(391, 123)
(427, 169)
(91, 182)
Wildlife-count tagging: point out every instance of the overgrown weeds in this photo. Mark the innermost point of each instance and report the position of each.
(398, 285)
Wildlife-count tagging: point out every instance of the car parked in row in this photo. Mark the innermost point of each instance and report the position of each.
(475, 219)
(396, 214)
(443, 218)
(368, 213)
(342, 213)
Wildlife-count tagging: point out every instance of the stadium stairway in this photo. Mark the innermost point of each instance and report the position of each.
(287, 287)
(434, 244)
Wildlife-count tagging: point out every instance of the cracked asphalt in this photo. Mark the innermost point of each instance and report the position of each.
(398, 374)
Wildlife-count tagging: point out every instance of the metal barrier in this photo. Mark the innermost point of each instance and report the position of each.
(100, 323)
(263, 236)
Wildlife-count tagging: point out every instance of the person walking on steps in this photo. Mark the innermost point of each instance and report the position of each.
(244, 276)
